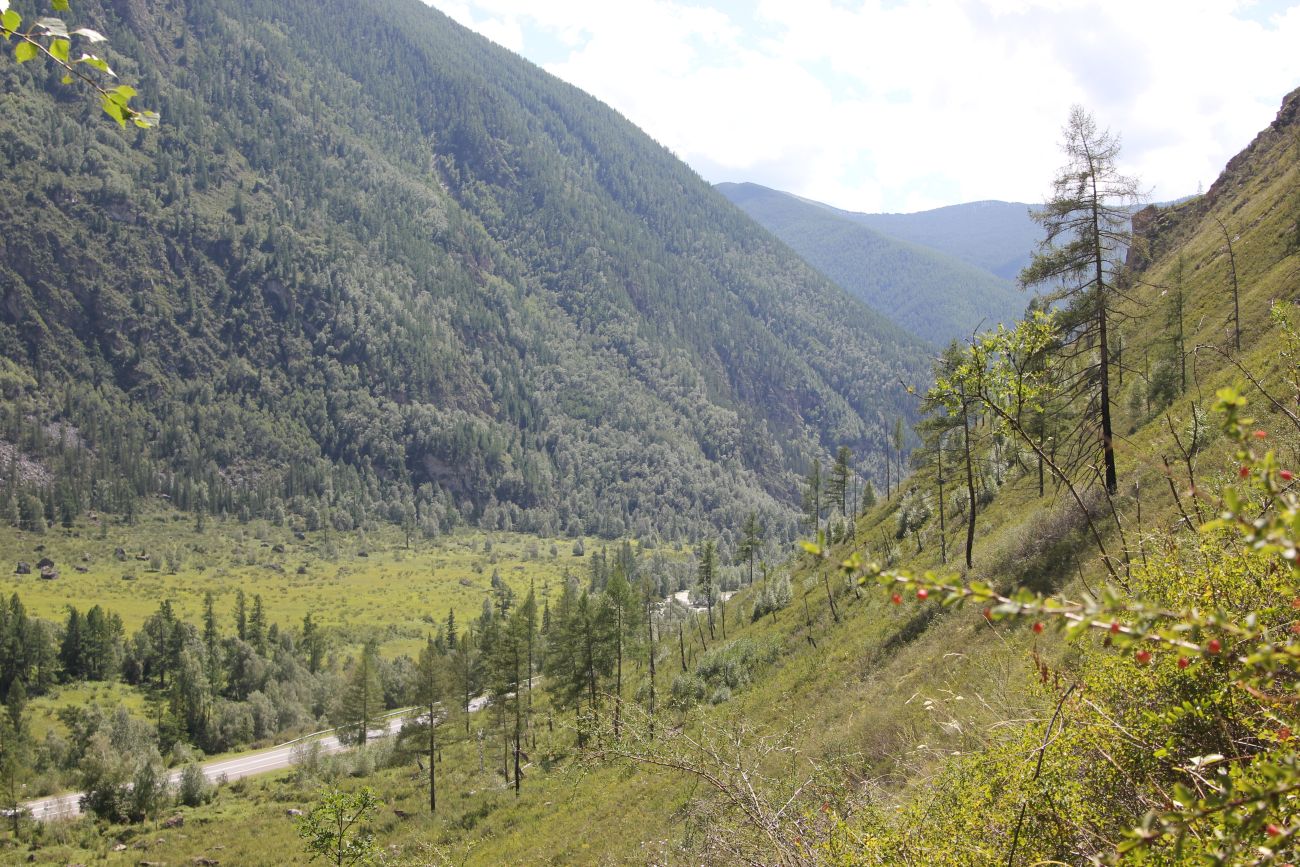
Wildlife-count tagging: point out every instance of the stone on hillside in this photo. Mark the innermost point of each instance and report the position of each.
(24, 568)
(119, 553)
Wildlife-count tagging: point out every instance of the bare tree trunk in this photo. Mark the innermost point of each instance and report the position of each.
(826, 579)
(1232, 266)
(618, 672)
(433, 751)
(650, 635)
(970, 482)
(943, 531)
(681, 645)
(1107, 434)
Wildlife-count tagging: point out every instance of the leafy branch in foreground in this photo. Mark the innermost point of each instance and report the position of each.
(1218, 774)
(334, 828)
(50, 36)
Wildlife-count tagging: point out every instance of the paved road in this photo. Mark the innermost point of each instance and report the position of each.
(273, 759)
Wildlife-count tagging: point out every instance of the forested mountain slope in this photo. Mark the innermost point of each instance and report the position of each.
(931, 293)
(996, 236)
(372, 266)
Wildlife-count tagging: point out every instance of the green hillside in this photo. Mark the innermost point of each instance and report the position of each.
(425, 283)
(824, 722)
(995, 236)
(469, 277)
(930, 293)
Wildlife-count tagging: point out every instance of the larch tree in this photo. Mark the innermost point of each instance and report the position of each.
(837, 485)
(364, 694)
(622, 612)
(1087, 221)
(751, 542)
(431, 679)
(707, 579)
(813, 492)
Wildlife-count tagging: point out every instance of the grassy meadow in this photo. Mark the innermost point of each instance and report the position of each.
(355, 585)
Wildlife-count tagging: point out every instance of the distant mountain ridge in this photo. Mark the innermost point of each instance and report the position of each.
(929, 273)
(994, 235)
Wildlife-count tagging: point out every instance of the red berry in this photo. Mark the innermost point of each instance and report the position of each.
(1038, 627)
(922, 593)
(1284, 733)
(1143, 657)
(1244, 471)
(1259, 434)
(1114, 628)
(1272, 830)
(1285, 475)
(896, 598)
(1213, 645)
(1183, 662)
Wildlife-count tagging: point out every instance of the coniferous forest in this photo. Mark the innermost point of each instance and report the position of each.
(406, 460)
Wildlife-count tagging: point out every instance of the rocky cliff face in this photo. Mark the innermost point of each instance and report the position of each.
(1157, 230)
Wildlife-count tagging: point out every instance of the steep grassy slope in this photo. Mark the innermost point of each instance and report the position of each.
(373, 267)
(926, 721)
(932, 294)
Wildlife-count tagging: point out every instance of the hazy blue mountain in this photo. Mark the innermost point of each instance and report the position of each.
(996, 236)
(934, 295)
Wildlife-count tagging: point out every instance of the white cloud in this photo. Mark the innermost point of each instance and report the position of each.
(884, 105)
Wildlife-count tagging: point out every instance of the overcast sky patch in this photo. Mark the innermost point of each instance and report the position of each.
(902, 105)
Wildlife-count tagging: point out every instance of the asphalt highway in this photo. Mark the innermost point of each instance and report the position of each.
(272, 759)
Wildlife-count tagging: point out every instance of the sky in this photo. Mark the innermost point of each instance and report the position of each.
(905, 105)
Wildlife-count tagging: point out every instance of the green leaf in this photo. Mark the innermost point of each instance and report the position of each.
(89, 35)
(115, 111)
(59, 50)
(98, 63)
(24, 51)
(67, 79)
(146, 119)
(59, 5)
(10, 21)
(53, 26)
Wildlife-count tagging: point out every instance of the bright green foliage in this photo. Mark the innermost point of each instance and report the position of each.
(1204, 740)
(335, 828)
